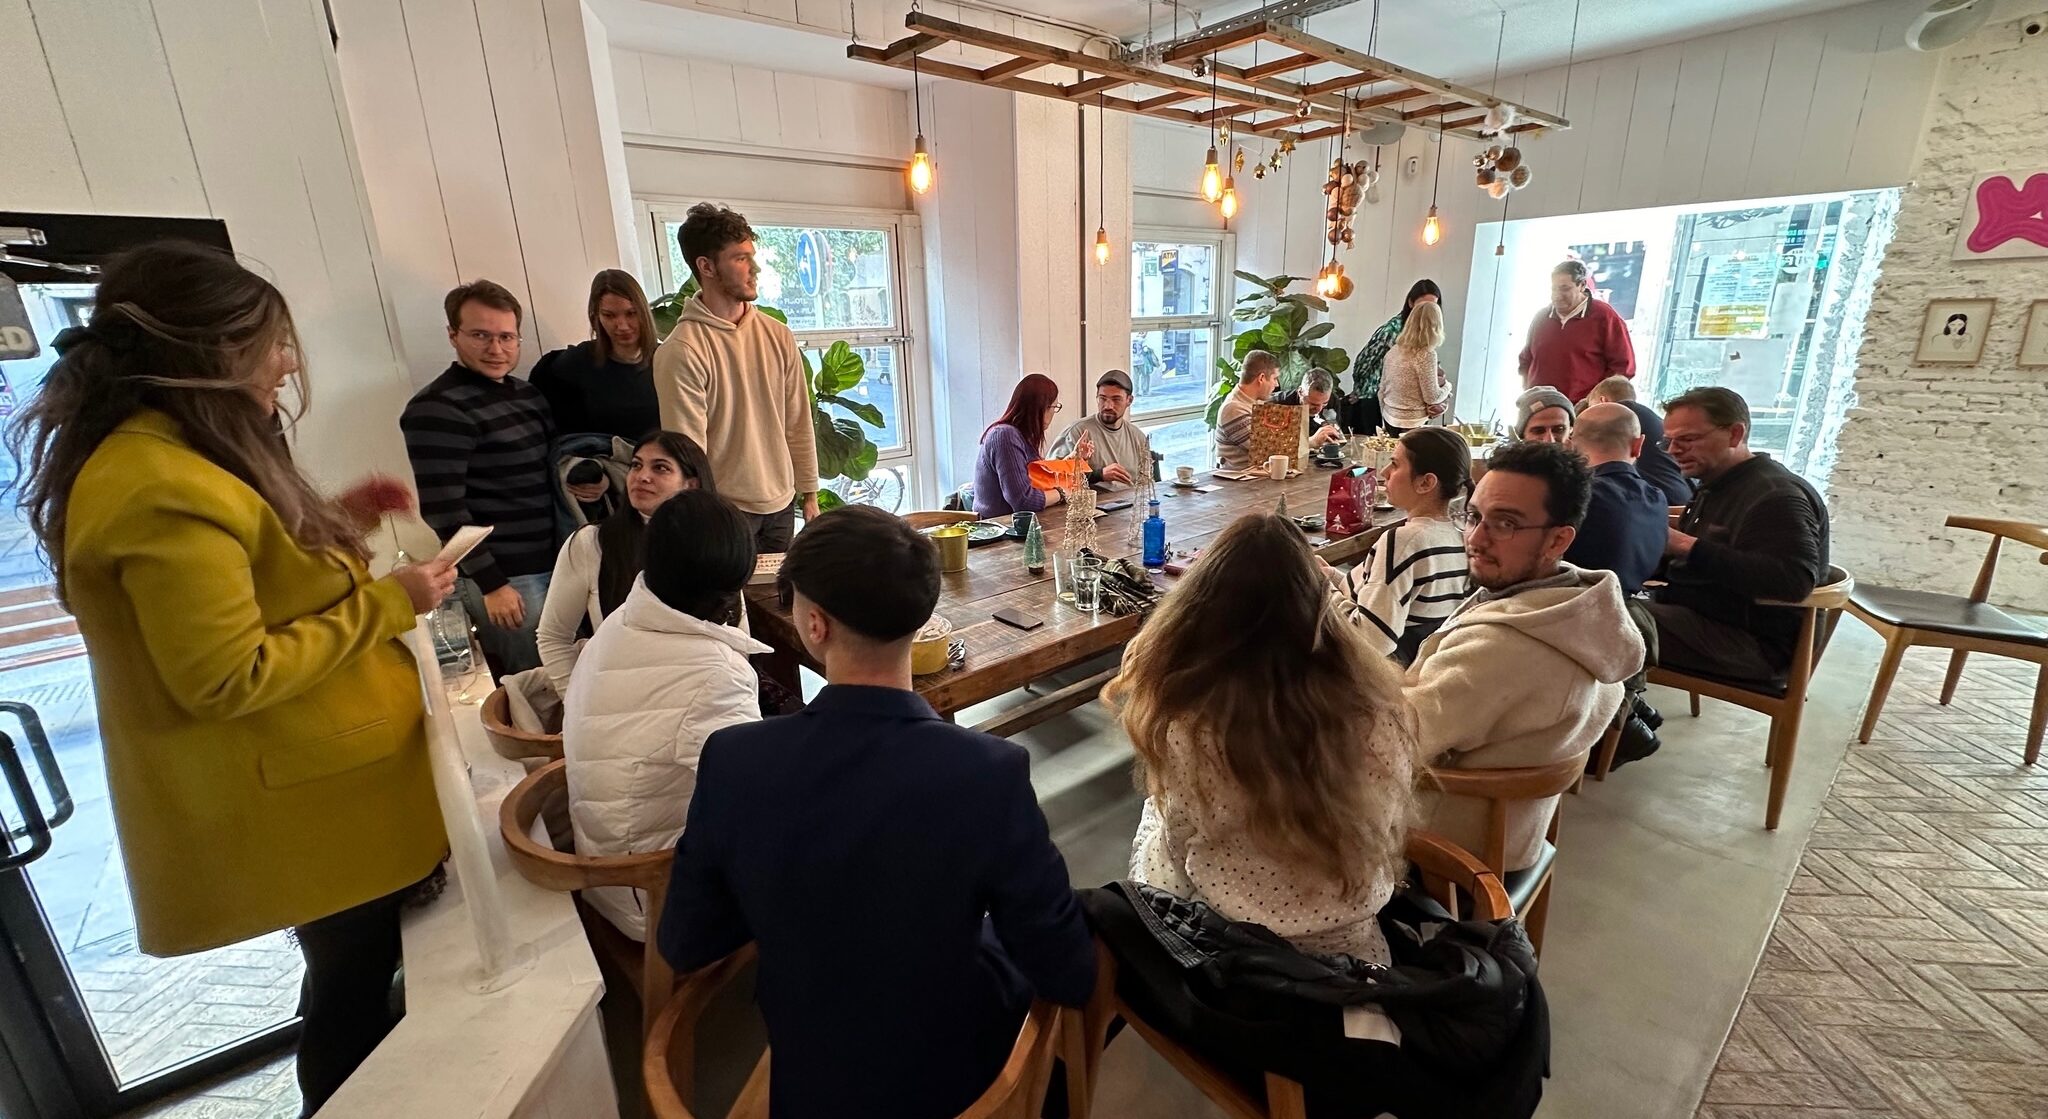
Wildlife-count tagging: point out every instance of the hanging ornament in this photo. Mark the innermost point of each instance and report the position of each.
(1520, 178)
(1237, 162)
(1508, 159)
(1302, 110)
(1499, 188)
(1286, 145)
(1499, 119)
(1499, 169)
(1259, 172)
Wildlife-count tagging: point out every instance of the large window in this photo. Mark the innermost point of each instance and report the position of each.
(1180, 312)
(838, 283)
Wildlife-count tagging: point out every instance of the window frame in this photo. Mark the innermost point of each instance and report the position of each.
(1222, 300)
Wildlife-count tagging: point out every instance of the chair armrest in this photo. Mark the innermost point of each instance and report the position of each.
(2026, 532)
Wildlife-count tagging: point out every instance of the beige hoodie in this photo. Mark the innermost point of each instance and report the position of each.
(1525, 678)
(738, 389)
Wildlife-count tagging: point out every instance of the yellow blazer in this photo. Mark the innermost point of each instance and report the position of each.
(265, 739)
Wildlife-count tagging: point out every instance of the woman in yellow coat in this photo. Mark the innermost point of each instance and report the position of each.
(264, 737)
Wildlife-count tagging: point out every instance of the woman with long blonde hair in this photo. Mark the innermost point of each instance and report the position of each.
(1412, 386)
(1277, 747)
(265, 743)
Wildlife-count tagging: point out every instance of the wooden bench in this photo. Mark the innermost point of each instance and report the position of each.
(35, 628)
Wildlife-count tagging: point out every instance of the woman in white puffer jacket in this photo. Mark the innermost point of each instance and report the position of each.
(663, 672)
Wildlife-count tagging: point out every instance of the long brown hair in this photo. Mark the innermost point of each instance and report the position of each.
(622, 538)
(186, 330)
(1278, 697)
(1028, 402)
(613, 281)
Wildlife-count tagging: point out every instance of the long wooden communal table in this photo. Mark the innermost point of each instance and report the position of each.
(1001, 658)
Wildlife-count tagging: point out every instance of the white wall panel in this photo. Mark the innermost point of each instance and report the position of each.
(1607, 129)
(1732, 142)
(121, 106)
(41, 171)
(1693, 109)
(1642, 162)
(1778, 134)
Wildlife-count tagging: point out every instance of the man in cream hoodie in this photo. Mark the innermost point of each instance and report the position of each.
(1528, 670)
(730, 377)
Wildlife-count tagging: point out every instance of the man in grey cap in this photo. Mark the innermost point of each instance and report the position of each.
(1123, 456)
(1543, 415)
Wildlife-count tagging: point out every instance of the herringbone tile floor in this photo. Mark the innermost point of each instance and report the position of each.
(1907, 975)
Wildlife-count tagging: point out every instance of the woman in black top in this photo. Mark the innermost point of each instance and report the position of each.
(606, 386)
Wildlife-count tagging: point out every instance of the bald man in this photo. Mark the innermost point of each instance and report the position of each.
(1628, 518)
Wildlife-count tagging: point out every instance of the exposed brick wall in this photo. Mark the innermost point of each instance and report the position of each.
(1926, 441)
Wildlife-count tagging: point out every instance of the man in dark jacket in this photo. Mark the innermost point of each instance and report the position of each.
(1754, 530)
(1654, 463)
(1627, 520)
(895, 869)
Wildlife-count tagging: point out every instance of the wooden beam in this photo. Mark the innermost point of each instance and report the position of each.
(1213, 44)
(1151, 103)
(1394, 97)
(908, 45)
(937, 69)
(1441, 109)
(1346, 81)
(1359, 60)
(1010, 68)
(1094, 85)
(1281, 66)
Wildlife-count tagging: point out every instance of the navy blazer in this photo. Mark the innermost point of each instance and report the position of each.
(1655, 464)
(898, 876)
(1627, 523)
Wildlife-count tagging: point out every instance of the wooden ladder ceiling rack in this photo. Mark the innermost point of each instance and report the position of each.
(1244, 93)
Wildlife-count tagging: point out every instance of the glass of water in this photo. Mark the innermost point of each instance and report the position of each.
(1087, 583)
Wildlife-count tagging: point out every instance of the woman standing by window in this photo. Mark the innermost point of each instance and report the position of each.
(1366, 371)
(1412, 385)
(264, 736)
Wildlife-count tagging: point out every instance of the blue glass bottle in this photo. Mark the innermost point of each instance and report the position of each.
(1155, 535)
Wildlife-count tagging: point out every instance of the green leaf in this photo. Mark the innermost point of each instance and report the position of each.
(870, 414)
(1277, 336)
(828, 501)
(1294, 365)
(1282, 283)
(772, 313)
(1260, 281)
(840, 369)
(1251, 314)
(1295, 316)
(1316, 301)
(1247, 342)
(668, 310)
(863, 463)
(1317, 331)
(1333, 359)
(1216, 398)
(840, 445)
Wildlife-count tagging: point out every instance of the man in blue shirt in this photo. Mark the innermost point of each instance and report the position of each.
(1654, 463)
(895, 869)
(1627, 523)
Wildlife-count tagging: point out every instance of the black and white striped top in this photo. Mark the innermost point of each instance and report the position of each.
(479, 451)
(1414, 575)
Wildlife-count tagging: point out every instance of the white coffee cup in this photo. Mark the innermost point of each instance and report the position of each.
(1184, 474)
(1276, 468)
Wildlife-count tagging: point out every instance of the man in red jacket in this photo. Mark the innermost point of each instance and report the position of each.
(1578, 341)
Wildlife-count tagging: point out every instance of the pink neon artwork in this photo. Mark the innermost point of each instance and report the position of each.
(2009, 213)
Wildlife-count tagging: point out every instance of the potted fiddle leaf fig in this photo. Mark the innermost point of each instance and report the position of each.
(1283, 330)
(844, 449)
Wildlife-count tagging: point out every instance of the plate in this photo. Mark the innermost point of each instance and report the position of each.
(978, 532)
(1178, 484)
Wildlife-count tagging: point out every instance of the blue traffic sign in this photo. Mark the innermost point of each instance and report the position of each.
(811, 256)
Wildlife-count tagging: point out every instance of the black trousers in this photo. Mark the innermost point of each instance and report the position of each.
(345, 998)
(773, 531)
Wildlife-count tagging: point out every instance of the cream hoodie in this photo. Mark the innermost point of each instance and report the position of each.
(1525, 677)
(738, 390)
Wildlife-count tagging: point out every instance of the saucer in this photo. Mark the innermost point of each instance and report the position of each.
(1187, 485)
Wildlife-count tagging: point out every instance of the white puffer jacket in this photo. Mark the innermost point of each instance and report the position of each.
(649, 688)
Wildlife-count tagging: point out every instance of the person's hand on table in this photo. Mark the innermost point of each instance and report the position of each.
(810, 507)
(588, 492)
(1677, 544)
(375, 496)
(1328, 433)
(427, 584)
(506, 609)
(1115, 472)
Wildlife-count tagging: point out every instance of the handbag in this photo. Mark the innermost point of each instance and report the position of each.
(1349, 509)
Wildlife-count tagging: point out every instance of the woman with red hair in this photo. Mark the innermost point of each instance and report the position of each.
(1002, 482)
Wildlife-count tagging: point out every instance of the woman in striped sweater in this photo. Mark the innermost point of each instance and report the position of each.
(1415, 573)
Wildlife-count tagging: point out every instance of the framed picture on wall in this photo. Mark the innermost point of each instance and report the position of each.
(2034, 339)
(1953, 331)
(2003, 217)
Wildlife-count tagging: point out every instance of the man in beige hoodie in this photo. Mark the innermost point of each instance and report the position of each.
(1528, 670)
(730, 377)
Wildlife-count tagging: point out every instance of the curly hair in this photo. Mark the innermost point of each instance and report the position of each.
(1278, 700)
(709, 229)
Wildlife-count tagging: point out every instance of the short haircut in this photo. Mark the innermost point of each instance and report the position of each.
(1610, 431)
(709, 229)
(1723, 407)
(700, 554)
(1567, 480)
(1257, 362)
(494, 296)
(869, 570)
(1576, 269)
(1319, 380)
(1616, 388)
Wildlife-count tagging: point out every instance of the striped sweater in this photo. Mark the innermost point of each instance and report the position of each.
(480, 456)
(1414, 576)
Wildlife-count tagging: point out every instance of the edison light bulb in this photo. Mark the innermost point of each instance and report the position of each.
(1229, 199)
(1432, 229)
(1212, 179)
(1101, 245)
(921, 173)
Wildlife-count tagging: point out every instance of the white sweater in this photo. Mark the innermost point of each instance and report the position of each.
(652, 686)
(572, 595)
(1409, 386)
(1414, 573)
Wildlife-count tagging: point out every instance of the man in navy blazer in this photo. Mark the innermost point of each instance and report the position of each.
(895, 869)
(1627, 519)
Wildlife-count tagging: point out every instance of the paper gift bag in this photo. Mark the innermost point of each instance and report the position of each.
(1279, 429)
(1349, 510)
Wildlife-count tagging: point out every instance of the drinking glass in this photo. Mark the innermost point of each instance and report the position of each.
(1087, 583)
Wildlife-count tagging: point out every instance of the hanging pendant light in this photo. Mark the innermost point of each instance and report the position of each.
(1212, 174)
(1228, 200)
(1433, 226)
(1101, 181)
(922, 174)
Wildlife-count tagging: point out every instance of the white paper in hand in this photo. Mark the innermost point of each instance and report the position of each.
(462, 543)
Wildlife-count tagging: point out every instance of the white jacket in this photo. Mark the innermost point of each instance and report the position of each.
(649, 688)
(1527, 677)
(572, 596)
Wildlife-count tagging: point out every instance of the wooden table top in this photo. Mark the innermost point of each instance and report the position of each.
(1002, 658)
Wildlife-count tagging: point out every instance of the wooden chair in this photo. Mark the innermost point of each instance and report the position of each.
(1449, 873)
(1964, 625)
(669, 1061)
(509, 741)
(550, 869)
(1528, 889)
(936, 517)
(1785, 705)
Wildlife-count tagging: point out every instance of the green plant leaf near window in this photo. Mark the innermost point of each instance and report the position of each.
(1286, 334)
(844, 449)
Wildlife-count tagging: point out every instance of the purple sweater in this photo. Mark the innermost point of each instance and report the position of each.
(1002, 482)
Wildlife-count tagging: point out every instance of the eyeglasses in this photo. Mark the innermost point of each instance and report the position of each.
(1471, 521)
(1684, 441)
(486, 337)
(1056, 406)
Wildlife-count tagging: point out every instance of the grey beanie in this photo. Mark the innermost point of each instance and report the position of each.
(1535, 400)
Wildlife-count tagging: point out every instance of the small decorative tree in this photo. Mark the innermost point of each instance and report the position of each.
(1285, 332)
